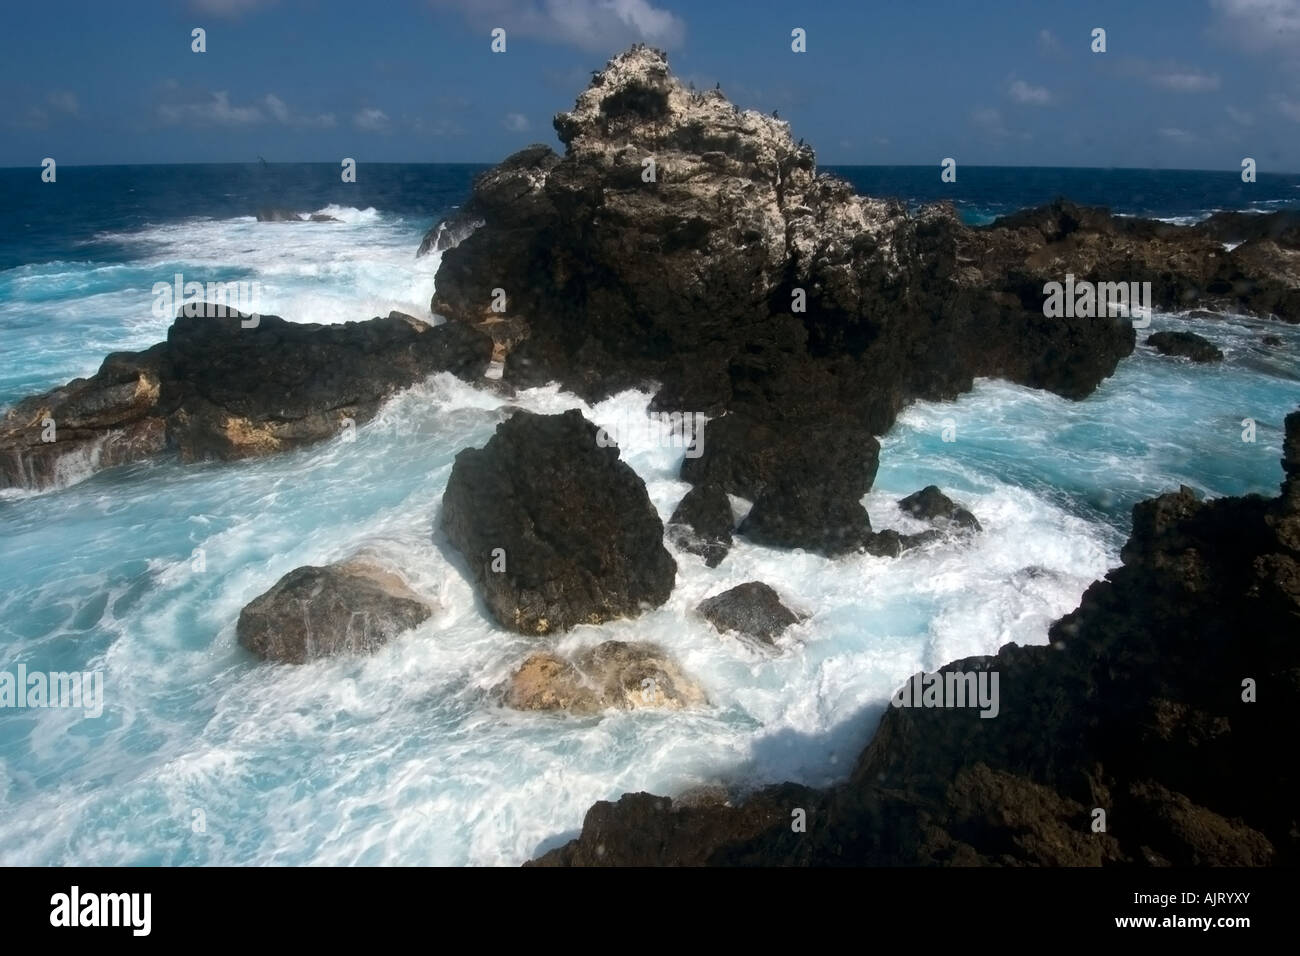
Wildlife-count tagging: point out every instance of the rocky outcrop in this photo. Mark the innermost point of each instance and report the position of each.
(556, 530)
(685, 242)
(349, 608)
(1185, 345)
(228, 387)
(702, 523)
(752, 609)
(614, 674)
(1146, 732)
(932, 505)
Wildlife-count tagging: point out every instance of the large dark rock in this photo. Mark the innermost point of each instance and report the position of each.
(753, 609)
(557, 531)
(1166, 700)
(314, 612)
(702, 523)
(222, 387)
(931, 504)
(1186, 345)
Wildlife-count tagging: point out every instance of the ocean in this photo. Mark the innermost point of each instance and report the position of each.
(204, 755)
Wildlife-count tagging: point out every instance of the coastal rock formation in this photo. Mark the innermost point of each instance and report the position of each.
(313, 612)
(1185, 344)
(1162, 701)
(684, 242)
(752, 609)
(276, 214)
(931, 504)
(702, 523)
(613, 674)
(557, 531)
(221, 387)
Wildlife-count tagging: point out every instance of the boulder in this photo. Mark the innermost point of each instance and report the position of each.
(1186, 345)
(349, 608)
(932, 505)
(557, 530)
(752, 609)
(615, 674)
(702, 523)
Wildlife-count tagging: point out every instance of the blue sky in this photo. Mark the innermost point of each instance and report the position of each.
(1193, 84)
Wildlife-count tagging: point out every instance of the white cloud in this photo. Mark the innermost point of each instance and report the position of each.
(216, 111)
(1047, 42)
(515, 122)
(602, 26)
(1241, 117)
(371, 119)
(280, 112)
(1023, 92)
(1177, 135)
(1187, 81)
(1260, 24)
(1289, 108)
(63, 101)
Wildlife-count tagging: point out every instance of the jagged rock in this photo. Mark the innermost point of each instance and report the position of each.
(1272, 341)
(743, 281)
(314, 612)
(1153, 700)
(702, 523)
(613, 674)
(1185, 344)
(752, 609)
(931, 504)
(556, 529)
(218, 389)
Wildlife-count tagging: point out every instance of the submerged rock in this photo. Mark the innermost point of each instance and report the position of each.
(313, 612)
(1186, 345)
(931, 504)
(752, 609)
(613, 674)
(557, 531)
(702, 523)
(228, 387)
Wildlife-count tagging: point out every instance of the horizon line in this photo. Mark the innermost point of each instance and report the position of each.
(333, 162)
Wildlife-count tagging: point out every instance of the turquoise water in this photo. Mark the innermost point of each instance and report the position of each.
(404, 757)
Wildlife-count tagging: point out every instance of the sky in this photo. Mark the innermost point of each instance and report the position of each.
(1192, 84)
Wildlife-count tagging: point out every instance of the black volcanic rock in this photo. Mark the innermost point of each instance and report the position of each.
(222, 387)
(931, 504)
(752, 609)
(313, 612)
(557, 531)
(1185, 345)
(682, 241)
(1162, 700)
(702, 523)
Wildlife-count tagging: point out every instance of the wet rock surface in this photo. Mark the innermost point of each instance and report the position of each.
(751, 610)
(556, 530)
(228, 387)
(353, 607)
(615, 674)
(1185, 345)
(702, 523)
